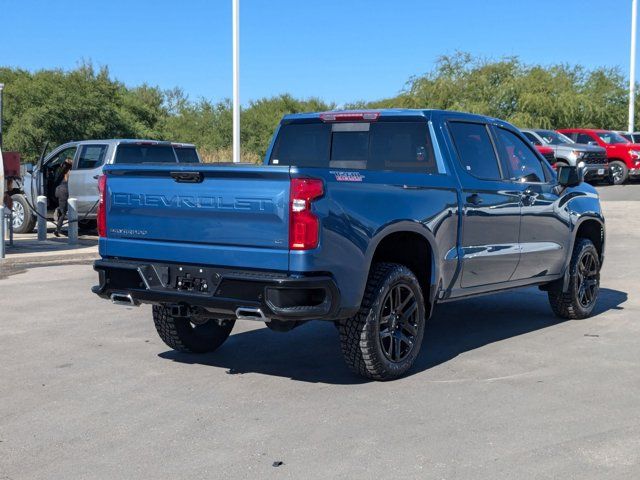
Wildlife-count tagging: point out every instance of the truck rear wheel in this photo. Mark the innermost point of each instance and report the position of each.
(584, 283)
(24, 220)
(384, 338)
(188, 335)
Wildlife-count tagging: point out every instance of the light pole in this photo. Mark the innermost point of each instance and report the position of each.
(236, 80)
(1, 89)
(632, 67)
(2, 220)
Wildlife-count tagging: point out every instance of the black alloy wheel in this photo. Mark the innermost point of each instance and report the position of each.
(581, 294)
(618, 172)
(383, 340)
(588, 279)
(398, 323)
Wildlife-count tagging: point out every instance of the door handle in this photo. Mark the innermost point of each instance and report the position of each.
(474, 199)
(187, 177)
(95, 177)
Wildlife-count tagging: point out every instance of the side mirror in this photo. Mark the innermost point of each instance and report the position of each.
(29, 167)
(570, 176)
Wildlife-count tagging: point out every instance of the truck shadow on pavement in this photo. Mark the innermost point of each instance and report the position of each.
(311, 353)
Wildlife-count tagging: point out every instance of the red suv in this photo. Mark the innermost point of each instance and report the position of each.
(624, 156)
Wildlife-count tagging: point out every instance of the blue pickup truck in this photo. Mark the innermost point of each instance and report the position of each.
(364, 218)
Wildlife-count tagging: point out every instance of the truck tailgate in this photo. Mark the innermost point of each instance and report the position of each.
(215, 215)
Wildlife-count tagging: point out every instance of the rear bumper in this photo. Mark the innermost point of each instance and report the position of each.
(220, 291)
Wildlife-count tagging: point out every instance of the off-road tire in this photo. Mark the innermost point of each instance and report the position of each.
(567, 304)
(29, 219)
(360, 339)
(180, 334)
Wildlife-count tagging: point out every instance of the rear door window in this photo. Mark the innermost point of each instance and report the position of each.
(144, 153)
(396, 146)
(475, 150)
(187, 155)
(91, 156)
(402, 146)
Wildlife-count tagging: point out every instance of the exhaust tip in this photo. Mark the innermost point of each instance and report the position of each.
(123, 299)
(251, 313)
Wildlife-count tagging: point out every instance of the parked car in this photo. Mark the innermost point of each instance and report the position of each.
(568, 152)
(623, 156)
(367, 219)
(633, 137)
(89, 158)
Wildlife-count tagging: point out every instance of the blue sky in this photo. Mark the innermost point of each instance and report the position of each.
(337, 50)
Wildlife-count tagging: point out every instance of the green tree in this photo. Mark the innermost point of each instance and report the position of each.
(84, 103)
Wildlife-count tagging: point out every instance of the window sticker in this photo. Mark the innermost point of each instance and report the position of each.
(347, 176)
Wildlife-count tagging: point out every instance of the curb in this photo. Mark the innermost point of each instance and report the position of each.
(47, 260)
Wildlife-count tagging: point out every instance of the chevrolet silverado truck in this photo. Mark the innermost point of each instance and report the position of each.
(623, 156)
(568, 152)
(367, 219)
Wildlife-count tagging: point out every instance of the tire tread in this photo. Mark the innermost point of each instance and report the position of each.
(358, 337)
(177, 334)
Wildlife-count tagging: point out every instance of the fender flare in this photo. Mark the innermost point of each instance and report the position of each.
(585, 217)
(409, 226)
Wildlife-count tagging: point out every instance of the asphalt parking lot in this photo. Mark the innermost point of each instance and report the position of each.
(502, 389)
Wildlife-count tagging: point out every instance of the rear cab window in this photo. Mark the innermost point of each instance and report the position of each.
(144, 153)
(403, 146)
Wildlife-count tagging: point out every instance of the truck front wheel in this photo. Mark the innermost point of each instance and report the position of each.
(584, 283)
(618, 172)
(384, 338)
(188, 335)
(24, 220)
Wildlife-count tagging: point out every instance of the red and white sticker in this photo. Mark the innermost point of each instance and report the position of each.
(347, 176)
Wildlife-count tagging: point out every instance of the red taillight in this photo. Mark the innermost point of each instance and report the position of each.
(102, 207)
(304, 228)
(349, 116)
